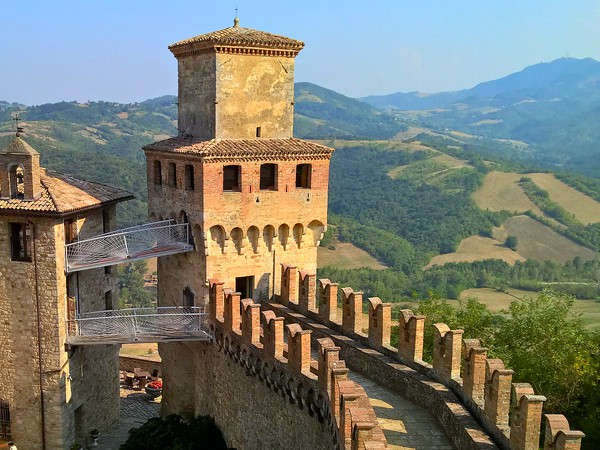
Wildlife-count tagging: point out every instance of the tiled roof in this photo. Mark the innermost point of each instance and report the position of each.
(243, 149)
(63, 194)
(18, 146)
(237, 36)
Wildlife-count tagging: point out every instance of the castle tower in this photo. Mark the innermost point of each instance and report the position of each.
(255, 197)
(51, 396)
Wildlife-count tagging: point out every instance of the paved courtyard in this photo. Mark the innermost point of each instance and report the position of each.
(136, 409)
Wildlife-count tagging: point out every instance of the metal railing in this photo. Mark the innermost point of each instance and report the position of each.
(129, 244)
(139, 325)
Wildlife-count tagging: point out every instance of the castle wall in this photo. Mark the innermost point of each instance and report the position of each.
(254, 91)
(197, 95)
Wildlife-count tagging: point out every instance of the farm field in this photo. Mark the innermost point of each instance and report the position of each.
(497, 301)
(477, 248)
(346, 256)
(584, 208)
(146, 350)
(501, 192)
(537, 241)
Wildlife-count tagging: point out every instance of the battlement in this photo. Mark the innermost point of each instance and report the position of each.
(279, 355)
(509, 413)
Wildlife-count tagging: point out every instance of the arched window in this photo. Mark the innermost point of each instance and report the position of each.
(188, 297)
(157, 173)
(17, 184)
(172, 174)
(189, 177)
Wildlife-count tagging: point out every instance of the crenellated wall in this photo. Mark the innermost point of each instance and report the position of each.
(462, 380)
(260, 383)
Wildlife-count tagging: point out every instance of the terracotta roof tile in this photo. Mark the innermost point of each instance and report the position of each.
(243, 149)
(19, 147)
(63, 194)
(237, 36)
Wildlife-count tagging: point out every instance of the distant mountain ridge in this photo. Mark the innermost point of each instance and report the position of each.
(561, 77)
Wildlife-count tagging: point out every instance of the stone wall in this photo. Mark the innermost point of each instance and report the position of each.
(80, 386)
(262, 390)
(129, 363)
(462, 385)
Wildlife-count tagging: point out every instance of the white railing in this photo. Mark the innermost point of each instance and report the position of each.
(130, 244)
(139, 325)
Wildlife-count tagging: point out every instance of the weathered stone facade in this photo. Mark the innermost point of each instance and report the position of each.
(55, 395)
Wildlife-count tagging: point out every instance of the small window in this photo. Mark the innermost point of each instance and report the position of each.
(188, 298)
(303, 174)
(258, 131)
(232, 178)
(20, 242)
(106, 221)
(70, 230)
(189, 177)
(245, 286)
(108, 300)
(17, 183)
(172, 175)
(268, 177)
(157, 173)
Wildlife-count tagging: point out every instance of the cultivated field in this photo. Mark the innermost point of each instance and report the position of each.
(501, 192)
(346, 256)
(537, 241)
(584, 208)
(477, 248)
(147, 350)
(497, 301)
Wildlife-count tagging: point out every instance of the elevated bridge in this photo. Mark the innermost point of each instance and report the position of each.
(150, 240)
(133, 325)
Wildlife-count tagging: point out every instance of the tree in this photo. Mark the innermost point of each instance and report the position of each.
(511, 242)
(131, 285)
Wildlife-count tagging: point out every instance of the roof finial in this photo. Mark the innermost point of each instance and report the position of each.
(17, 118)
(236, 21)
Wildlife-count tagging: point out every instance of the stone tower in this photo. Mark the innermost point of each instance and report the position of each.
(255, 197)
(51, 396)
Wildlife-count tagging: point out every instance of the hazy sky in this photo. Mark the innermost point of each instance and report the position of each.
(116, 50)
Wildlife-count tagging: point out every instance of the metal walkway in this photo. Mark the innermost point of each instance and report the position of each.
(124, 326)
(129, 244)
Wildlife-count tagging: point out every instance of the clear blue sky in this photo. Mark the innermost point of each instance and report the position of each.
(116, 50)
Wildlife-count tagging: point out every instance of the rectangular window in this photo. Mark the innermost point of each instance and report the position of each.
(268, 177)
(20, 242)
(108, 300)
(106, 221)
(172, 175)
(188, 297)
(189, 177)
(245, 286)
(70, 230)
(157, 173)
(303, 175)
(232, 178)
(258, 131)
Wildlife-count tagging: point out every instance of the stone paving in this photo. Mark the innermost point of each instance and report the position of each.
(406, 426)
(136, 409)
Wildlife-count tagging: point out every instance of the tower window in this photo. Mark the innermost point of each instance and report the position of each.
(20, 242)
(303, 175)
(108, 300)
(157, 173)
(17, 183)
(188, 297)
(70, 230)
(258, 131)
(245, 286)
(232, 178)
(189, 177)
(268, 177)
(172, 175)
